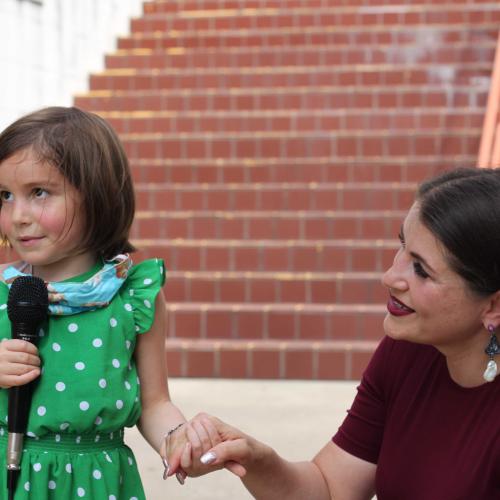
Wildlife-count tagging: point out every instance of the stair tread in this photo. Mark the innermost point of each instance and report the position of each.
(266, 31)
(277, 307)
(258, 243)
(291, 134)
(401, 48)
(278, 275)
(338, 68)
(266, 214)
(341, 9)
(203, 344)
(423, 88)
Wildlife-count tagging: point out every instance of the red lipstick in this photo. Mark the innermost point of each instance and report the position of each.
(397, 308)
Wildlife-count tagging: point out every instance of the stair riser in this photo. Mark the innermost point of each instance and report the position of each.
(366, 147)
(196, 256)
(335, 198)
(267, 100)
(275, 291)
(268, 360)
(335, 170)
(289, 37)
(283, 325)
(287, 18)
(232, 226)
(300, 56)
(291, 122)
(345, 76)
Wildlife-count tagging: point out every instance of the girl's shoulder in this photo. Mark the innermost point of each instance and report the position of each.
(140, 290)
(146, 274)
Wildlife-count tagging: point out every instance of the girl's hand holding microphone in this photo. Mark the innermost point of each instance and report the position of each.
(19, 363)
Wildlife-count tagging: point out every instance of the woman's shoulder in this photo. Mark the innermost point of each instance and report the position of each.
(405, 351)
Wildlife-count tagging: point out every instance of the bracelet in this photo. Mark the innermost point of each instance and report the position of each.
(171, 431)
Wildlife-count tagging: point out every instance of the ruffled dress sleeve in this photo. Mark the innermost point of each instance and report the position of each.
(143, 284)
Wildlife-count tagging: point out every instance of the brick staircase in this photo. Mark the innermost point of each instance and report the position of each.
(275, 147)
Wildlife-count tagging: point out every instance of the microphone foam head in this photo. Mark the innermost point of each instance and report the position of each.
(28, 300)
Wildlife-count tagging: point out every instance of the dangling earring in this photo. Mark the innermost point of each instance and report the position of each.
(492, 349)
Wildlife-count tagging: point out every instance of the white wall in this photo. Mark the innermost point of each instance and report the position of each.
(49, 47)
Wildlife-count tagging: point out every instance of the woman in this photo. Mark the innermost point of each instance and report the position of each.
(425, 422)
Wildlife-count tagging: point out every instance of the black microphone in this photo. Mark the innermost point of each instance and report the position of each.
(27, 309)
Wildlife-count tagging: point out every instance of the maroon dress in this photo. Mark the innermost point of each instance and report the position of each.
(430, 438)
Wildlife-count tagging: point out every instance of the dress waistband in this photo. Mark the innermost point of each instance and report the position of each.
(74, 443)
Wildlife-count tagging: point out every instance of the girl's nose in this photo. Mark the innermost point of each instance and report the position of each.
(20, 212)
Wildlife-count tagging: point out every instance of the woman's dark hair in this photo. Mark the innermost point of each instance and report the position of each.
(462, 210)
(88, 153)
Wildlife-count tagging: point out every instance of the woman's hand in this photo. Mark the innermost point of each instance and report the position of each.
(19, 363)
(185, 445)
(231, 448)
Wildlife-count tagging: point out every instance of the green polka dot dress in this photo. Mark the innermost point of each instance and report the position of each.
(87, 393)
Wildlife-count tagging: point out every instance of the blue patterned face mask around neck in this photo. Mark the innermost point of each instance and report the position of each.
(67, 297)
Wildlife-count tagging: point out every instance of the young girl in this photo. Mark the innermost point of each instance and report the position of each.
(67, 204)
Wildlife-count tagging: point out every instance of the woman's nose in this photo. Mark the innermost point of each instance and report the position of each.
(395, 276)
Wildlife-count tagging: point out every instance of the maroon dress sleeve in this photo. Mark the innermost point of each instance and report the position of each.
(362, 431)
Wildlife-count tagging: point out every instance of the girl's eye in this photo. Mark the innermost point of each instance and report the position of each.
(5, 195)
(419, 270)
(40, 193)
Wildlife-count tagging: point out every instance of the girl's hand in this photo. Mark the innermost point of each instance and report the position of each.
(186, 445)
(232, 449)
(19, 363)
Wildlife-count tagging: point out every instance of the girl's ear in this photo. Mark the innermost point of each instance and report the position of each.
(492, 313)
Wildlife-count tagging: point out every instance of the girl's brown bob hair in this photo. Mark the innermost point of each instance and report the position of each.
(88, 153)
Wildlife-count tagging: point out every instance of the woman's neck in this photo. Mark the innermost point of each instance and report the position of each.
(466, 365)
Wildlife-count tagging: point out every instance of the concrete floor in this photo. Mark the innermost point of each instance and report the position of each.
(295, 417)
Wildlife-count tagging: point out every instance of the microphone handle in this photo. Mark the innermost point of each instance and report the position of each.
(20, 396)
(18, 411)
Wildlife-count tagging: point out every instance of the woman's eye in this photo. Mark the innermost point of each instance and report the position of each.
(5, 195)
(419, 270)
(401, 239)
(40, 193)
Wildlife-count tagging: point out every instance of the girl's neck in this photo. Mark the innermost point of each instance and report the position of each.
(65, 268)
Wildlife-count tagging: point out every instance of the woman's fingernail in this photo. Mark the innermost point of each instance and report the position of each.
(208, 458)
(165, 474)
(179, 477)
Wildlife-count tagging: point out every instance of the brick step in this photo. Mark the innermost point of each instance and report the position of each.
(376, 35)
(391, 15)
(279, 196)
(273, 80)
(276, 321)
(180, 6)
(194, 97)
(343, 144)
(275, 288)
(267, 225)
(148, 122)
(268, 255)
(269, 359)
(298, 169)
(304, 55)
